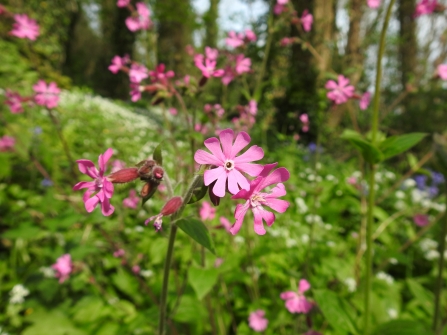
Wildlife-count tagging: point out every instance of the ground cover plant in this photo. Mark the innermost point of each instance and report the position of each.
(159, 175)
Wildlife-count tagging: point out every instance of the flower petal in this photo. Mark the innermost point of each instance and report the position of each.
(226, 139)
(220, 186)
(268, 217)
(103, 159)
(239, 215)
(278, 176)
(258, 224)
(91, 203)
(106, 208)
(213, 145)
(203, 157)
(254, 153)
(249, 168)
(303, 286)
(278, 205)
(288, 295)
(84, 184)
(242, 140)
(108, 188)
(87, 167)
(235, 178)
(213, 174)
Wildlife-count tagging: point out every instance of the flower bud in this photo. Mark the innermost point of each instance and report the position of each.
(215, 200)
(124, 175)
(172, 206)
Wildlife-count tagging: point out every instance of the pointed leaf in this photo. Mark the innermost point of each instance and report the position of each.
(335, 312)
(198, 193)
(157, 156)
(402, 327)
(202, 280)
(197, 231)
(395, 145)
(370, 153)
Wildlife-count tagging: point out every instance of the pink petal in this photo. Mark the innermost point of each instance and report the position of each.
(278, 205)
(278, 191)
(278, 176)
(213, 145)
(250, 169)
(288, 295)
(103, 159)
(106, 208)
(242, 140)
(203, 157)
(258, 224)
(84, 184)
(226, 138)
(331, 85)
(213, 174)
(254, 153)
(91, 204)
(239, 215)
(303, 286)
(268, 217)
(235, 178)
(342, 80)
(108, 188)
(87, 167)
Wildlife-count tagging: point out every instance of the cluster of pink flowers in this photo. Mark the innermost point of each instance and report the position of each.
(227, 171)
(207, 64)
(25, 27)
(426, 7)
(45, 95)
(140, 18)
(441, 71)
(304, 118)
(373, 3)
(236, 40)
(132, 201)
(306, 20)
(7, 143)
(63, 267)
(237, 65)
(340, 92)
(257, 321)
(207, 212)
(246, 118)
(421, 220)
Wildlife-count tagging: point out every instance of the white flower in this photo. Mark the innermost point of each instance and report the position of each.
(427, 244)
(330, 244)
(274, 232)
(291, 242)
(330, 177)
(409, 183)
(385, 277)
(392, 313)
(311, 177)
(139, 229)
(318, 166)
(146, 273)
(328, 226)
(239, 239)
(431, 255)
(305, 238)
(18, 294)
(350, 284)
(47, 271)
(390, 175)
(356, 174)
(399, 205)
(301, 205)
(379, 177)
(393, 261)
(400, 194)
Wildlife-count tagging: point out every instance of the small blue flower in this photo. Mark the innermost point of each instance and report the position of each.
(46, 182)
(421, 181)
(437, 178)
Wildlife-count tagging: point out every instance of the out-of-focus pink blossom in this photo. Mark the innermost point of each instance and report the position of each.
(218, 262)
(257, 200)
(340, 91)
(306, 20)
(296, 302)
(421, 220)
(441, 71)
(63, 267)
(118, 63)
(201, 128)
(207, 66)
(365, 100)
(234, 39)
(160, 76)
(250, 35)
(252, 107)
(100, 184)
(225, 223)
(140, 20)
(170, 207)
(117, 165)
(211, 53)
(119, 253)
(373, 3)
(257, 321)
(228, 76)
(278, 9)
(173, 111)
(24, 27)
(46, 95)
(242, 64)
(14, 101)
(138, 73)
(304, 118)
(425, 7)
(190, 50)
(352, 180)
(136, 269)
(286, 41)
(122, 3)
(131, 201)
(135, 91)
(7, 143)
(207, 212)
(282, 2)
(226, 165)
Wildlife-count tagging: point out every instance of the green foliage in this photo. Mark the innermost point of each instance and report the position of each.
(197, 231)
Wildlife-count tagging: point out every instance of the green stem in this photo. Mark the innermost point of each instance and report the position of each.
(258, 87)
(172, 234)
(371, 196)
(439, 280)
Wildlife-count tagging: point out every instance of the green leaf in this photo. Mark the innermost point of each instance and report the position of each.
(197, 231)
(198, 193)
(157, 154)
(335, 312)
(189, 310)
(202, 280)
(55, 320)
(25, 231)
(395, 145)
(423, 296)
(401, 327)
(370, 153)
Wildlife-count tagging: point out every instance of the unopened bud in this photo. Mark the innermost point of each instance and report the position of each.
(124, 175)
(172, 206)
(215, 200)
(203, 81)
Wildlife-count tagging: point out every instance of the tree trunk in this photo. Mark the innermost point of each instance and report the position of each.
(210, 19)
(408, 44)
(354, 52)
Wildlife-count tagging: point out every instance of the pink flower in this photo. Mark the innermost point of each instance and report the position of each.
(306, 20)
(7, 143)
(135, 91)
(14, 101)
(257, 200)
(365, 100)
(425, 7)
(352, 180)
(252, 107)
(278, 9)
(173, 111)
(24, 27)
(441, 71)
(242, 64)
(250, 35)
(286, 41)
(304, 118)
(119, 253)
(296, 302)
(141, 19)
(211, 53)
(234, 40)
(341, 91)
(228, 76)
(225, 223)
(257, 321)
(421, 220)
(122, 3)
(132, 201)
(207, 212)
(373, 3)
(226, 166)
(46, 95)
(170, 207)
(136, 269)
(218, 262)
(207, 67)
(117, 165)
(118, 63)
(282, 2)
(160, 76)
(100, 184)
(138, 73)
(63, 267)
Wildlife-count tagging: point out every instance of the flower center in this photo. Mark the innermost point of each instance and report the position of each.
(256, 200)
(98, 183)
(229, 165)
